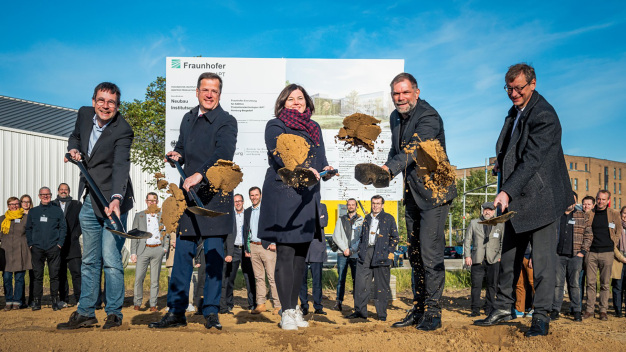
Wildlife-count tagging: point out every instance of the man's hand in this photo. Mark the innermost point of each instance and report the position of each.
(173, 242)
(272, 247)
(468, 261)
(502, 199)
(496, 168)
(384, 167)
(228, 258)
(173, 155)
(530, 263)
(247, 254)
(580, 255)
(192, 181)
(346, 253)
(390, 256)
(133, 258)
(114, 207)
(75, 154)
(59, 246)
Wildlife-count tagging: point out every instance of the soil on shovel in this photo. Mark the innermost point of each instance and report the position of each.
(360, 131)
(432, 166)
(224, 176)
(292, 150)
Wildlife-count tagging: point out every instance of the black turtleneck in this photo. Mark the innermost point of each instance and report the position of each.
(602, 241)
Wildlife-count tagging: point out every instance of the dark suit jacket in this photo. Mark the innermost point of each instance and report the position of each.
(109, 163)
(247, 213)
(386, 240)
(317, 249)
(71, 246)
(424, 124)
(533, 169)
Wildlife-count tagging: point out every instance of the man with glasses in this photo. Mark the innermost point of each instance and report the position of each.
(102, 138)
(534, 184)
(45, 233)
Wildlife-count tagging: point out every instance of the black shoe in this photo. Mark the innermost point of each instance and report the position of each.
(222, 311)
(538, 327)
(169, 320)
(412, 317)
(554, 315)
(475, 314)
(213, 321)
(36, 305)
(55, 304)
(496, 316)
(578, 316)
(77, 321)
(382, 318)
(23, 306)
(338, 307)
(112, 321)
(319, 311)
(618, 314)
(355, 315)
(429, 322)
(305, 310)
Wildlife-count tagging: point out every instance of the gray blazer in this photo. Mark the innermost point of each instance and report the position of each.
(141, 223)
(489, 251)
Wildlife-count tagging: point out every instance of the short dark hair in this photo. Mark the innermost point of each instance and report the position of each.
(12, 199)
(209, 75)
(63, 183)
(152, 194)
(238, 195)
(592, 199)
(401, 77)
(349, 199)
(253, 188)
(378, 196)
(284, 94)
(108, 87)
(515, 70)
(605, 192)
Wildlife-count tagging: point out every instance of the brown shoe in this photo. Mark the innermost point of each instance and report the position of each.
(588, 315)
(259, 309)
(136, 307)
(603, 316)
(153, 309)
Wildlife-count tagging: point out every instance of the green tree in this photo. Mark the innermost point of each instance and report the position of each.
(147, 118)
(474, 180)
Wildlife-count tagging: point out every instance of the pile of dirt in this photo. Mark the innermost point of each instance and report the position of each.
(432, 166)
(224, 176)
(292, 150)
(173, 208)
(360, 131)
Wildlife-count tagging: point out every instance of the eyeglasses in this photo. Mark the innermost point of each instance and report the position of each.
(14, 204)
(151, 200)
(45, 195)
(102, 102)
(509, 90)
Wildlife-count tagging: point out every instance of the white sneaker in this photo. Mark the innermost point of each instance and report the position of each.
(300, 318)
(288, 321)
(191, 308)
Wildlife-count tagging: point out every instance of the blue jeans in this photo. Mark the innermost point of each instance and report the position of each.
(11, 295)
(343, 263)
(103, 249)
(619, 291)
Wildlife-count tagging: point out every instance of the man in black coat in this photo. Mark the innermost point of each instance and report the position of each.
(379, 238)
(535, 184)
(102, 138)
(207, 134)
(414, 120)
(70, 253)
(315, 259)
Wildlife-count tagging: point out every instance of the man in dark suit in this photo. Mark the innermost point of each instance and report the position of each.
(237, 253)
(102, 138)
(70, 253)
(315, 258)
(536, 185)
(207, 134)
(414, 120)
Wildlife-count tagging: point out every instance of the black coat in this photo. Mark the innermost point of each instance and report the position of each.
(386, 240)
(317, 249)
(109, 163)
(71, 246)
(427, 124)
(202, 141)
(534, 174)
(288, 214)
(49, 233)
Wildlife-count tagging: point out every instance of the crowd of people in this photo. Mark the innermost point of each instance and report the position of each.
(281, 238)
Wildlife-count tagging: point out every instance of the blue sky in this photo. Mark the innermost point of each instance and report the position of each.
(56, 53)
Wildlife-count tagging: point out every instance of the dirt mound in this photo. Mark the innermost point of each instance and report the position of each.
(292, 150)
(224, 176)
(360, 131)
(173, 207)
(432, 166)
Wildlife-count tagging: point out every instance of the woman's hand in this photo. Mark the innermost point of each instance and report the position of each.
(328, 176)
(317, 174)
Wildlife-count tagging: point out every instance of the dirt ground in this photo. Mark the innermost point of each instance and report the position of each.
(25, 330)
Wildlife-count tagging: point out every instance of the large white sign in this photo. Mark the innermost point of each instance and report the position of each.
(250, 88)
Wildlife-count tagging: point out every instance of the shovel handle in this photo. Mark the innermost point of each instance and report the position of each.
(191, 192)
(329, 172)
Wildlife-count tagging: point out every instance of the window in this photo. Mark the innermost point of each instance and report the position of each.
(575, 184)
(587, 185)
(571, 166)
(575, 166)
(614, 188)
(620, 174)
(614, 203)
(620, 189)
(614, 173)
(586, 167)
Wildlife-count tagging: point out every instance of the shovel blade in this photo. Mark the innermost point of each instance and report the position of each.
(498, 219)
(297, 177)
(205, 212)
(132, 234)
(372, 174)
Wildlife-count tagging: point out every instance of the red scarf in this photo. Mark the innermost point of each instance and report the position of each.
(301, 121)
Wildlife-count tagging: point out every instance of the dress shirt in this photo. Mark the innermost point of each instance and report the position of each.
(153, 228)
(373, 230)
(254, 224)
(96, 132)
(239, 221)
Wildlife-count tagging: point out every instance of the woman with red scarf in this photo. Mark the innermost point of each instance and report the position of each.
(289, 215)
(17, 253)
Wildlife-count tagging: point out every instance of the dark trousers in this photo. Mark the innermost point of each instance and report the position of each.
(64, 288)
(484, 272)
(619, 291)
(514, 245)
(316, 277)
(289, 270)
(568, 270)
(343, 263)
(364, 273)
(178, 295)
(39, 258)
(31, 278)
(229, 276)
(427, 243)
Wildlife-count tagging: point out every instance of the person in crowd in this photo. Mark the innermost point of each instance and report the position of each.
(619, 270)
(379, 239)
(482, 247)
(315, 259)
(290, 215)
(346, 236)
(26, 203)
(71, 254)
(17, 253)
(605, 225)
(148, 252)
(525, 287)
(45, 233)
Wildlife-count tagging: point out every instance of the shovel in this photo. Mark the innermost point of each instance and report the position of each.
(301, 176)
(500, 218)
(132, 234)
(372, 174)
(199, 209)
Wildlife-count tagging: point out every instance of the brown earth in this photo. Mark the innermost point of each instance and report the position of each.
(173, 207)
(360, 131)
(153, 209)
(162, 184)
(25, 330)
(432, 165)
(224, 176)
(292, 150)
